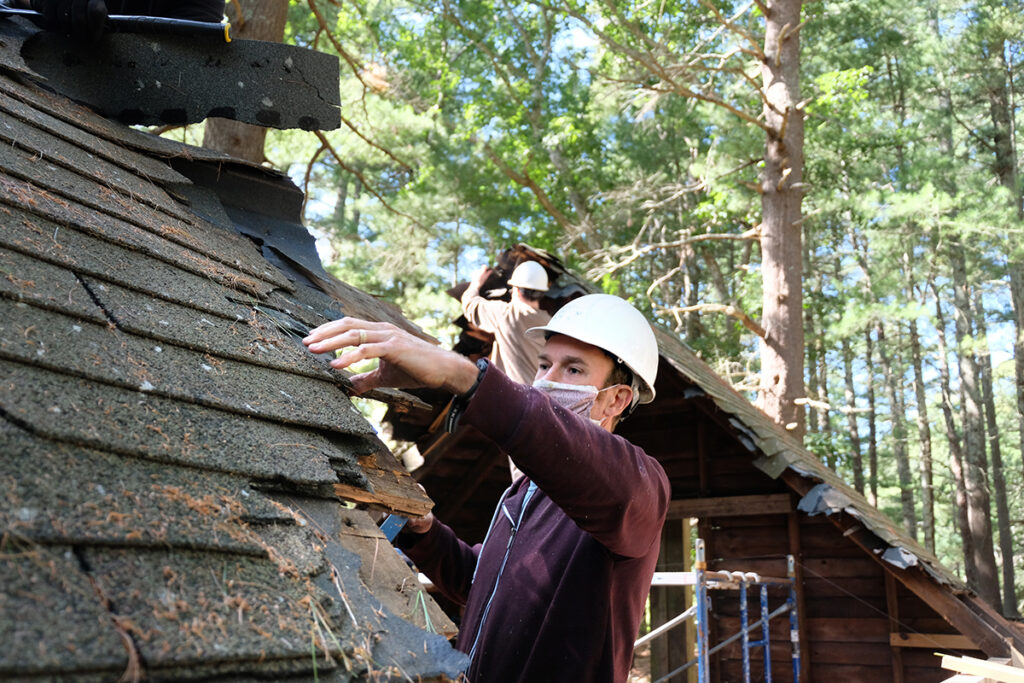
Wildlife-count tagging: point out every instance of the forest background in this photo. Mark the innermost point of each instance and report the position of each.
(836, 180)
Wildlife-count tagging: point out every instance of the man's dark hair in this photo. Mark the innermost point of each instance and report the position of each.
(620, 374)
(531, 294)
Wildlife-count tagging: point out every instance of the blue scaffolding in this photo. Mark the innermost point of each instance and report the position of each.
(703, 580)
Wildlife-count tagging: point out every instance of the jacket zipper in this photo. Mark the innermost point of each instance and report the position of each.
(501, 570)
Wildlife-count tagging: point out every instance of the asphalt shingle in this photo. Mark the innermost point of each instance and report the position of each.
(174, 465)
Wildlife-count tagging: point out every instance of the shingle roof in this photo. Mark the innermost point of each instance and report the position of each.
(173, 460)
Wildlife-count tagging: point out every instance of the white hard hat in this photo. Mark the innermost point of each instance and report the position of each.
(530, 275)
(612, 325)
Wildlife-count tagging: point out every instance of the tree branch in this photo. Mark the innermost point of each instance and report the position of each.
(729, 310)
(526, 181)
(637, 253)
(308, 174)
(351, 126)
(337, 158)
(352, 62)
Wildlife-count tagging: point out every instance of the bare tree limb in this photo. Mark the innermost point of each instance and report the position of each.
(529, 183)
(352, 62)
(637, 253)
(308, 175)
(729, 310)
(337, 158)
(351, 126)
(730, 24)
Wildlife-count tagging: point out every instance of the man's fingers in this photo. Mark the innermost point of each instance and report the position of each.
(345, 332)
(326, 330)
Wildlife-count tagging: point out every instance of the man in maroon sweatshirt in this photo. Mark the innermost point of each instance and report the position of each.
(557, 589)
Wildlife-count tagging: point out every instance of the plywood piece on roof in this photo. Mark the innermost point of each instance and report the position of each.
(995, 671)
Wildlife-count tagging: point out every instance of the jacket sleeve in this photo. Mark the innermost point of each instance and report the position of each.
(444, 558)
(482, 313)
(612, 489)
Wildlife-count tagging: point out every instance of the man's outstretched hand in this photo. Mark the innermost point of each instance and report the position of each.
(406, 361)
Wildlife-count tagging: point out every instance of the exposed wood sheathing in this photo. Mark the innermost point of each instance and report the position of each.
(173, 463)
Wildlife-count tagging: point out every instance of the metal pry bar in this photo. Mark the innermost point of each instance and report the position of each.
(128, 23)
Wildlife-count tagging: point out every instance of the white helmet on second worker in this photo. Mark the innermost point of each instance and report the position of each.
(614, 326)
(529, 275)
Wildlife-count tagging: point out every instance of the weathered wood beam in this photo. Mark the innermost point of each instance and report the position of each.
(391, 488)
(730, 506)
(942, 641)
(892, 606)
(796, 550)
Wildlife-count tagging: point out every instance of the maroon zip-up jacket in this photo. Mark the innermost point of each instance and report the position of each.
(575, 573)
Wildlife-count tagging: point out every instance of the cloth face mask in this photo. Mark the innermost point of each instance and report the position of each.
(576, 398)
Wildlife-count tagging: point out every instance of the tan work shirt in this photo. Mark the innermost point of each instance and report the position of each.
(513, 352)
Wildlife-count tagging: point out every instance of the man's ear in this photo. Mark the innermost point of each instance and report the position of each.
(622, 396)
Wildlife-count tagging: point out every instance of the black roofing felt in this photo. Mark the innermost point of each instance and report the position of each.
(170, 454)
(184, 79)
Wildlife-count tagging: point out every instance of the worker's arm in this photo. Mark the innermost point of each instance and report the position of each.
(484, 314)
(608, 486)
(405, 361)
(442, 556)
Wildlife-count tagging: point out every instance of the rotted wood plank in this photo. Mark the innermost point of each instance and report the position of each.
(392, 488)
(387, 576)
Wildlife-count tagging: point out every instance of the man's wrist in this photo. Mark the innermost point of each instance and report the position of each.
(463, 377)
(462, 399)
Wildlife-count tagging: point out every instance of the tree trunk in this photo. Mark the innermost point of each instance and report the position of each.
(1005, 168)
(1017, 297)
(812, 389)
(924, 432)
(893, 373)
(872, 422)
(956, 458)
(975, 475)
(782, 351)
(849, 392)
(260, 20)
(998, 479)
(924, 435)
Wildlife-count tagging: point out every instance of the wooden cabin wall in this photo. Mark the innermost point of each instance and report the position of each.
(848, 611)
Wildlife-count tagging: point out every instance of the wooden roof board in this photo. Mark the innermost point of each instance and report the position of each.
(141, 462)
